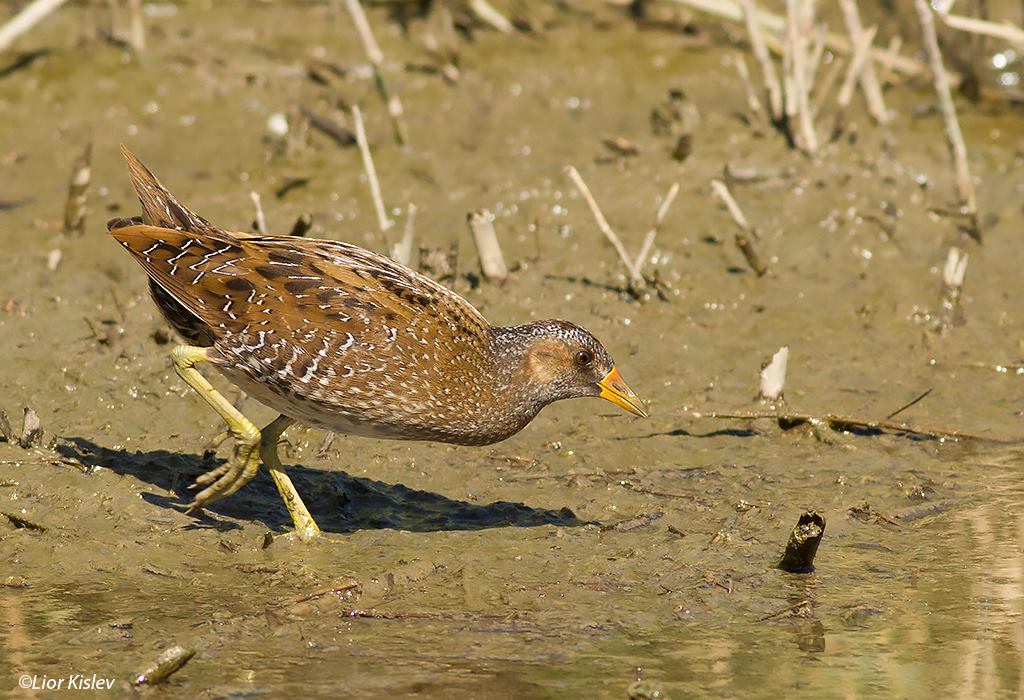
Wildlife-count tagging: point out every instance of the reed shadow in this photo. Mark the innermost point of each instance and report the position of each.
(339, 502)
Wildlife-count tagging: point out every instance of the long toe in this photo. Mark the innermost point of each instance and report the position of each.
(252, 465)
(227, 475)
(210, 476)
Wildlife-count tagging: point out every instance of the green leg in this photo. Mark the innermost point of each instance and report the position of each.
(250, 445)
(305, 526)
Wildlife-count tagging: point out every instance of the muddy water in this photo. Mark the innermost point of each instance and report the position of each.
(593, 548)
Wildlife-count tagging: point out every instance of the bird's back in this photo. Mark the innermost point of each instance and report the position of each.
(312, 326)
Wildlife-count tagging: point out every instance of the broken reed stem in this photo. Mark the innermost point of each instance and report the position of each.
(868, 78)
(1010, 33)
(770, 22)
(953, 274)
(488, 14)
(492, 262)
(768, 74)
(954, 138)
(636, 281)
(376, 58)
(78, 193)
(860, 58)
(666, 204)
(885, 71)
(799, 20)
(827, 82)
(753, 101)
(383, 222)
(137, 35)
(260, 221)
(746, 233)
(29, 16)
(402, 252)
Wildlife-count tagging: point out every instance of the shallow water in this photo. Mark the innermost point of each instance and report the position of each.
(592, 548)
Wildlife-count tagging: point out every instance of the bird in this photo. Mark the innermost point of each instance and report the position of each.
(334, 336)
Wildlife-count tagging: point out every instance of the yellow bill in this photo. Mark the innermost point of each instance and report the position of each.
(615, 389)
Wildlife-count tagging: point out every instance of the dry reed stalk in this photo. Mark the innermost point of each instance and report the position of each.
(488, 250)
(645, 249)
(827, 82)
(488, 14)
(860, 58)
(636, 281)
(868, 78)
(402, 251)
(954, 137)
(953, 274)
(261, 220)
(751, 17)
(753, 101)
(78, 193)
(383, 222)
(885, 71)
(1007, 31)
(137, 34)
(376, 58)
(29, 16)
(799, 20)
(746, 232)
(732, 10)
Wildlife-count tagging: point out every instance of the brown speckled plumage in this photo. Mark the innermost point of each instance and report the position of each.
(338, 337)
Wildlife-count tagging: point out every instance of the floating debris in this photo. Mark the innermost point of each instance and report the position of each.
(170, 661)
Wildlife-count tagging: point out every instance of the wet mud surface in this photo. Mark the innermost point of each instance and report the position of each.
(592, 548)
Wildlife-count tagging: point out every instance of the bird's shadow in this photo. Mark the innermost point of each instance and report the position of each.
(339, 502)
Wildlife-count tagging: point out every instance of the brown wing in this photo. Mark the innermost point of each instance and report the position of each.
(159, 206)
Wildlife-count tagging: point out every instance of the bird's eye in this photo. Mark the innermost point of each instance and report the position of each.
(583, 358)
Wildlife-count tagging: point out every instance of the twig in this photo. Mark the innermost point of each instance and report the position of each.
(860, 58)
(752, 19)
(488, 14)
(731, 10)
(341, 136)
(746, 232)
(735, 212)
(492, 262)
(260, 221)
(78, 193)
(376, 58)
(885, 64)
(868, 78)
(636, 281)
(1006, 31)
(920, 397)
(840, 423)
(753, 101)
(137, 36)
(799, 18)
(826, 83)
(383, 222)
(666, 204)
(402, 251)
(954, 138)
(29, 16)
